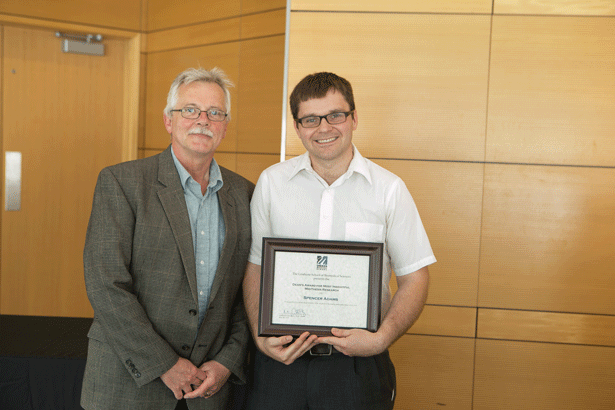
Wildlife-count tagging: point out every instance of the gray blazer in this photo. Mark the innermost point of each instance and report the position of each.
(140, 277)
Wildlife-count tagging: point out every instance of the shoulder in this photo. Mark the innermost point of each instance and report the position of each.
(382, 175)
(144, 167)
(138, 178)
(281, 170)
(127, 176)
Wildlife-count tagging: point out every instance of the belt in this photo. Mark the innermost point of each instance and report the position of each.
(322, 350)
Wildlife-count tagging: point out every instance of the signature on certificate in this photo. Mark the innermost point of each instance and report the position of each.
(295, 312)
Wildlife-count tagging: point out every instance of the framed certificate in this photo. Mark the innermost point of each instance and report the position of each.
(314, 285)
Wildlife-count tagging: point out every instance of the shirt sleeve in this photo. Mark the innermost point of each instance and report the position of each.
(407, 242)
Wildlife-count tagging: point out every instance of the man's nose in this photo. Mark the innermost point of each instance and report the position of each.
(203, 118)
(324, 124)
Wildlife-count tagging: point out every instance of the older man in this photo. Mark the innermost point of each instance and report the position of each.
(165, 253)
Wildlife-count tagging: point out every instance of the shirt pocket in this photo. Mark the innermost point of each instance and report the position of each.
(364, 232)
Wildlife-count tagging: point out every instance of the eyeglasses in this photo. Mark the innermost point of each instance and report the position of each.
(192, 113)
(313, 121)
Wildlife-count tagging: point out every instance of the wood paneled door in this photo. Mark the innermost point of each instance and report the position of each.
(66, 115)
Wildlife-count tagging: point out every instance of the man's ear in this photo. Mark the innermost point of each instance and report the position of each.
(167, 123)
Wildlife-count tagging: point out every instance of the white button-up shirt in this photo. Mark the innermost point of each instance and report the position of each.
(366, 204)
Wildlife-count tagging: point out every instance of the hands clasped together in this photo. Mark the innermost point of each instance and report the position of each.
(351, 342)
(188, 381)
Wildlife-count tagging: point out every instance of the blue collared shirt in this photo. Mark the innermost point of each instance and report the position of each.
(207, 226)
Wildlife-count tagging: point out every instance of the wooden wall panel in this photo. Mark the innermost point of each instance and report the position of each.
(142, 99)
(260, 95)
(134, 96)
(227, 160)
(411, 6)
(213, 32)
(572, 7)
(501, 126)
(445, 321)
(521, 375)
(163, 67)
(420, 81)
(433, 372)
(547, 239)
(255, 6)
(449, 199)
(546, 327)
(250, 166)
(163, 14)
(438, 320)
(92, 12)
(552, 91)
(263, 24)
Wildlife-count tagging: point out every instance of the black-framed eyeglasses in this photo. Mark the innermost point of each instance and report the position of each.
(313, 121)
(192, 113)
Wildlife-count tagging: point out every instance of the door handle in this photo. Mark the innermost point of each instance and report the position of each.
(12, 176)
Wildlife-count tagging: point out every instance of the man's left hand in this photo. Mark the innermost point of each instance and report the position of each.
(217, 375)
(355, 342)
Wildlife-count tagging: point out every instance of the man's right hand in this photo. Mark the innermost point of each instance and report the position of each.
(182, 376)
(283, 349)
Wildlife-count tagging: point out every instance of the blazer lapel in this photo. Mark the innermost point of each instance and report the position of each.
(227, 204)
(174, 205)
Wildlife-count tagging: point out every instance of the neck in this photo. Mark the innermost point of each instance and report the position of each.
(198, 168)
(331, 170)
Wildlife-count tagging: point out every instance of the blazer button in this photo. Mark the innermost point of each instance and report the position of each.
(192, 312)
(185, 347)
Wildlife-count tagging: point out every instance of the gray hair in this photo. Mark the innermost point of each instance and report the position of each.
(215, 75)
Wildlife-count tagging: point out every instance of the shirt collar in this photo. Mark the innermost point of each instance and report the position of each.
(215, 175)
(358, 164)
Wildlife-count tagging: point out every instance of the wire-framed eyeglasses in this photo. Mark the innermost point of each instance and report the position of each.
(192, 113)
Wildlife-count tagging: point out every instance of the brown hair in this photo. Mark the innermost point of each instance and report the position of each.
(317, 85)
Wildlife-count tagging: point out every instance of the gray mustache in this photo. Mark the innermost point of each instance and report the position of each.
(199, 130)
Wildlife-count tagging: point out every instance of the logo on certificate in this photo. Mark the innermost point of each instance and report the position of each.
(321, 262)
